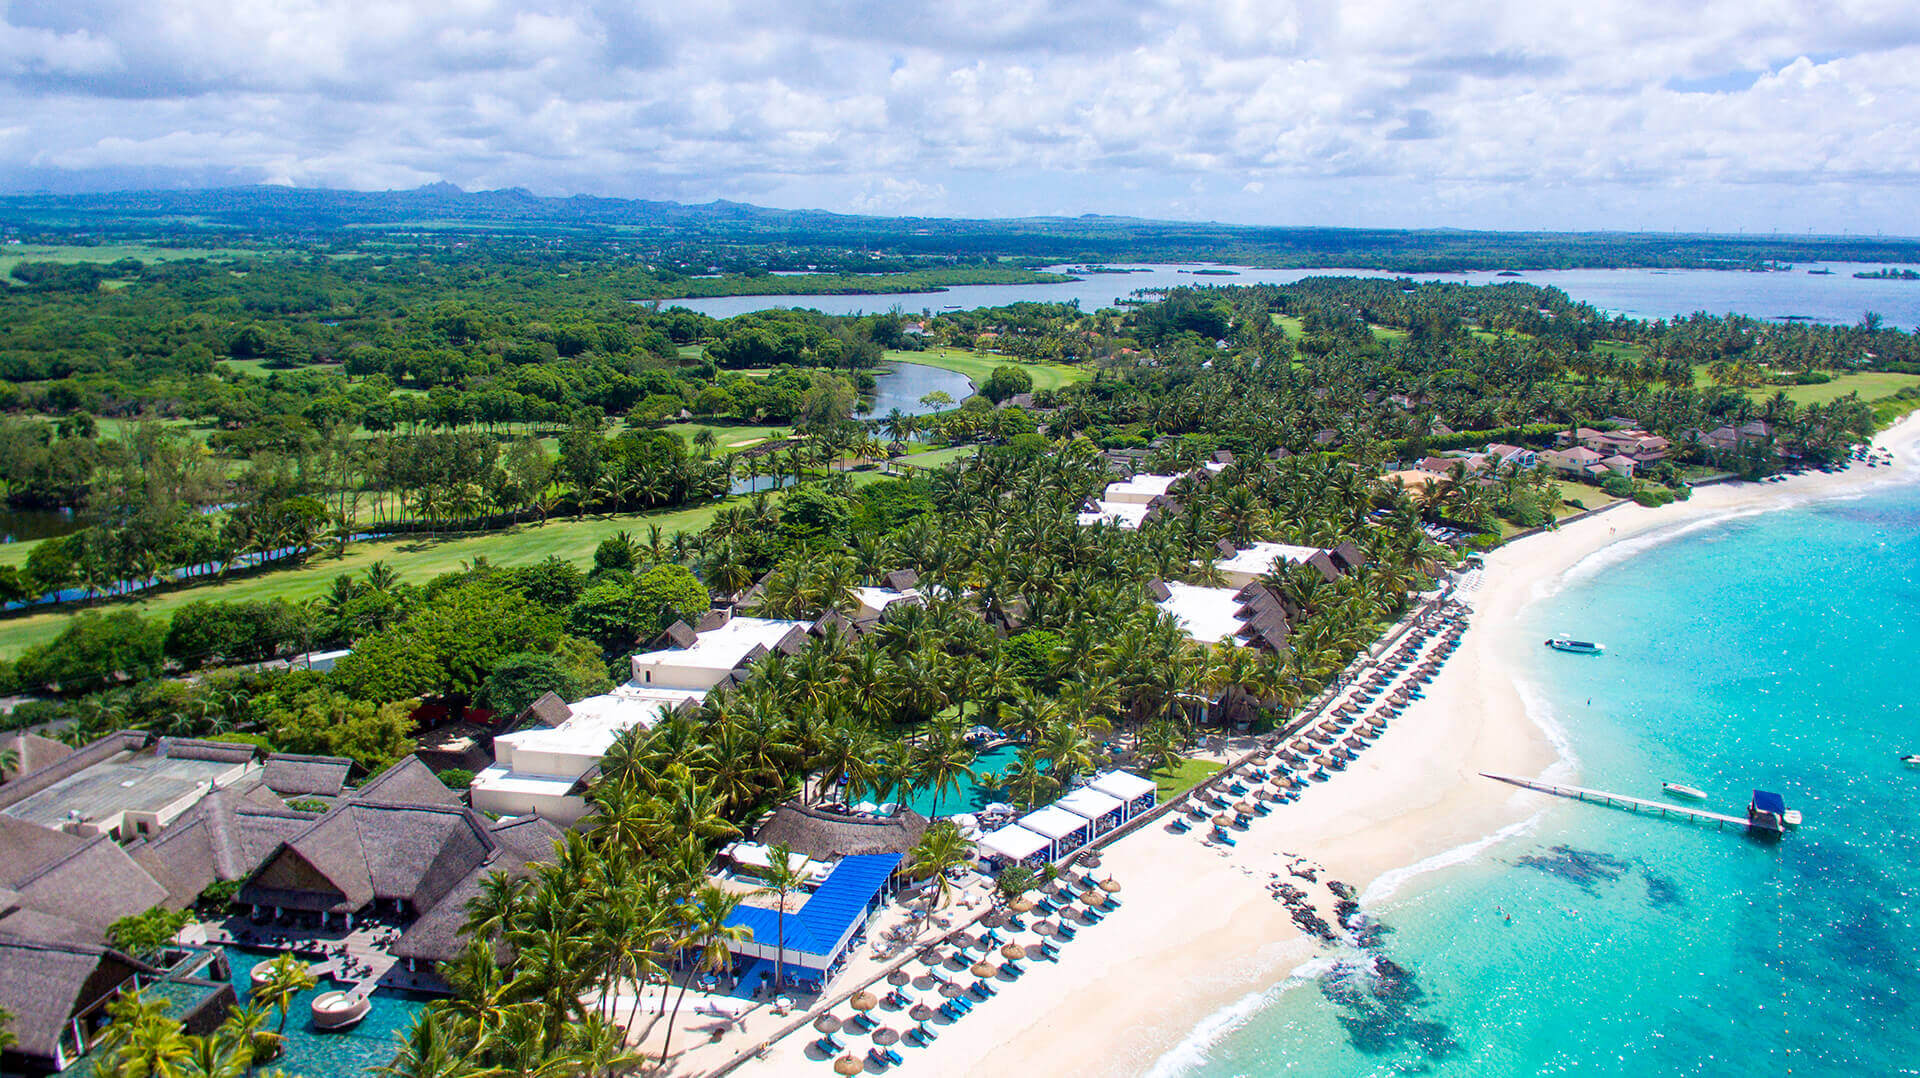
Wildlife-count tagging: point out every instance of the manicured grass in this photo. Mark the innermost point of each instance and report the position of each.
(938, 458)
(1183, 777)
(416, 558)
(978, 366)
(730, 435)
(1871, 385)
(1588, 496)
(1628, 351)
(12, 256)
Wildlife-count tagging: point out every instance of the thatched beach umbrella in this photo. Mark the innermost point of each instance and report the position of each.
(1090, 858)
(1223, 819)
(899, 977)
(952, 990)
(1023, 904)
(827, 1024)
(1110, 885)
(848, 1066)
(922, 1013)
(1014, 951)
(984, 969)
(886, 1035)
(1244, 806)
(864, 1001)
(995, 919)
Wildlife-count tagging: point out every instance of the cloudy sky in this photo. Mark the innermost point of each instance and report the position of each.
(1755, 115)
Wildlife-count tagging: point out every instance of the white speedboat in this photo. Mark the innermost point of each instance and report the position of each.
(1577, 647)
(1912, 759)
(1691, 793)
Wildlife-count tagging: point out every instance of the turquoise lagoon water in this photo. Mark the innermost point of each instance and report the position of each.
(1775, 651)
(313, 1054)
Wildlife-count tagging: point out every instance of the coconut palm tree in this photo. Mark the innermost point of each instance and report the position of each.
(434, 1048)
(941, 850)
(708, 938)
(783, 878)
(287, 977)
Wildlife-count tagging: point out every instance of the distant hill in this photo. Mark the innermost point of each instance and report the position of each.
(441, 211)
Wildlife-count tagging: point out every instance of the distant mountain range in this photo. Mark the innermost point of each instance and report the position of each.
(318, 214)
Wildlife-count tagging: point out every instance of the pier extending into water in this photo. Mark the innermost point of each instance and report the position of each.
(1612, 800)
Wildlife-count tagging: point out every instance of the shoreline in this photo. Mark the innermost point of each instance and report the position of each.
(1200, 943)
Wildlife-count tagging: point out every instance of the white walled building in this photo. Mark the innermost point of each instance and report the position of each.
(1243, 567)
(540, 770)
(1140, 489)
(1208, 615)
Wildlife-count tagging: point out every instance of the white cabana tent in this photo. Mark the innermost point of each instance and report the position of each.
(1015, 844)
(1101, 809)
(1138, 793)
(1067, 831)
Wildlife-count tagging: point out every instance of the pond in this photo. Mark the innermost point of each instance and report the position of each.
(901, 385)
(22, 525)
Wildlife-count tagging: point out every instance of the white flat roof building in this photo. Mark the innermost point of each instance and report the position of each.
(1256, 561)
(1139, 490)
(536, 770)
(712, 655)
(1128, 515)
(1208, 615)
(874, 601)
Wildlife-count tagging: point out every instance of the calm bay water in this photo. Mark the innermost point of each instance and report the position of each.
(1837, 298)
(1771, 651)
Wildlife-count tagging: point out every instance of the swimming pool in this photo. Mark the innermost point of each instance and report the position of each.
(313, 1054)
(969, 795)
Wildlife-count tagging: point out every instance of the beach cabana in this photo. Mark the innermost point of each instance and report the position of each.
(1103, 811)
(1136, 794)
(1067, 831)
(1015, 845)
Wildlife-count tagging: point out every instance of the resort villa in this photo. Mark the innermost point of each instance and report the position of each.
(1241, 567)
(128, 824)
(545, 767)
(1127, 503)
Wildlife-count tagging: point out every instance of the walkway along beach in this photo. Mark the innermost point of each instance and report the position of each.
(1204, 926)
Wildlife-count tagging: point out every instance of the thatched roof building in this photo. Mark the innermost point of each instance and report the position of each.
(292, 775)
(48, 985)
(820, 834)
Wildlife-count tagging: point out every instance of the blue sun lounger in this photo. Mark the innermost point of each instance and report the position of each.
(828, 1045)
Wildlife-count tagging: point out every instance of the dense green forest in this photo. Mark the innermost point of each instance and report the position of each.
(729, 237)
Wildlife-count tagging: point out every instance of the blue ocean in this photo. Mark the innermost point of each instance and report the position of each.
(1777, 651)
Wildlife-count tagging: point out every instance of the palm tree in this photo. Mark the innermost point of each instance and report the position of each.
(432, 1048)
(783, 878)
(287, 977)
(708, 936)
(942, 759)
(941, 850)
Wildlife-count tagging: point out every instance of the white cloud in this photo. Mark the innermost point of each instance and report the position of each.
(1510, 113)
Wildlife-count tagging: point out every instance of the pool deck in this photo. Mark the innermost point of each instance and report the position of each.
(358, 960)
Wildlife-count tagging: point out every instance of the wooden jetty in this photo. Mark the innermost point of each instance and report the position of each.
(1622, 801)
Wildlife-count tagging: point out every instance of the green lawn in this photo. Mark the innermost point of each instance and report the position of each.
(416, 558)
(977, 366)
(1625, 351)
(12, 256)
(730, 435)
(1591, 497)
(1871, 385)
(938, 458)
(1183, 777)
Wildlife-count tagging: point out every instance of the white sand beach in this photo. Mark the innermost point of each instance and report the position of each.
(1199, 928)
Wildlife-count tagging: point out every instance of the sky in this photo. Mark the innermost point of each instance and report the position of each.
(1717, 115)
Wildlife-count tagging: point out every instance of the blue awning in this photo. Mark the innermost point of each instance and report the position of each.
(1769, 802)
(816, 928)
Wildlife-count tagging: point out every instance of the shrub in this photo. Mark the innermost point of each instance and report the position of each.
(456, 778)
(308, 804)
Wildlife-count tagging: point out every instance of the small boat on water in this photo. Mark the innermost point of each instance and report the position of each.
(1791, 818)
(1911, 759)
(1691, 793)
(1577, 647)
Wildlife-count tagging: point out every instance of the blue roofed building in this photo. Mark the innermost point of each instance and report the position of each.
(818, 935)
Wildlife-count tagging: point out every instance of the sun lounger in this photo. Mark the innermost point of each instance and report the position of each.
(828, 1045)
(1068, 931)
(1179, 826)
(863, 1021)
(892, 1056)
(875, 1057)
(926, 1032)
